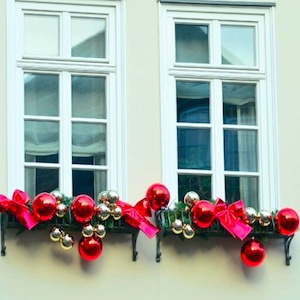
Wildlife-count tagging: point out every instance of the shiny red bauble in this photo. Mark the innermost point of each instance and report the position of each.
(252, 253)
(287, 221)
(90, 248)
(203, 213)
(158, 196)
(83, 208)
(44, 206)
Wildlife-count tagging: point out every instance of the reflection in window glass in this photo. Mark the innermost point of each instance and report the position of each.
(191, 43)
(192, 102)
(88, 37)
(88, 97)
(41, 35)
(239, 104)
(242, 187)
(238, 45)
(193, 148)
(41, 93)
(201, 184)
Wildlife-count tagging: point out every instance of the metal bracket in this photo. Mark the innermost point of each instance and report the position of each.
(3, 225)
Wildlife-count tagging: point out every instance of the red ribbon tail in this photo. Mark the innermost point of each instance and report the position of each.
(27, 219)
(149, 229)
(237, 229)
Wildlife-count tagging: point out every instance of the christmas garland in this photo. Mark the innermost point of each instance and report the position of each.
(189, 218)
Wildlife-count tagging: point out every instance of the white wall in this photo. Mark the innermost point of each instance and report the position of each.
(36, 268)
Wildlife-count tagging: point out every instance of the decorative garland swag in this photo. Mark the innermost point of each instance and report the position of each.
(189, 218)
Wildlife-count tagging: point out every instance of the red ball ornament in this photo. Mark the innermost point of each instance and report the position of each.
(44, 206)
(83, 208)
(287, 221)
(90, 248)
(252, 253)
(203, 213)
(158, 196)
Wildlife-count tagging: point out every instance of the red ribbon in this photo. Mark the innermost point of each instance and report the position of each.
(17, 207)
(231, 218)
(135, 216)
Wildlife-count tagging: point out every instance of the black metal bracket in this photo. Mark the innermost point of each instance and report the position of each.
(163, 222)
(3, 225)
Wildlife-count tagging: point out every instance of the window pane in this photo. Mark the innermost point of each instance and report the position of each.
(88, 97)
(239, 104)
(88, 37)
(200, 184)
(244, 188)
(240, 150)
(90, 183)
(193, 148)
(41, 35)
(238, 45)
(41, 139)
(41, 93)
(89, 140)
(191, 43)
(38, 180)
(192, 102)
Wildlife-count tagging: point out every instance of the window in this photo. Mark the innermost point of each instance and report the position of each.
(66, 108)
(218, 103)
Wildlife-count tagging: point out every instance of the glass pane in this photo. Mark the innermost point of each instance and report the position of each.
(200, 184)
(41, 35)
(89, 140)
(88, 37)
(41, 93)
(41, 139)
(239, 104)
(88, 97)
(38, 180)
(240, 150)
(192, 101)
(191, 43)
(244, 188)
(193, 148)
(90, 183)
(238, 45)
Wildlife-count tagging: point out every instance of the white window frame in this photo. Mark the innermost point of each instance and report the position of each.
(112, 68)
(263, 73)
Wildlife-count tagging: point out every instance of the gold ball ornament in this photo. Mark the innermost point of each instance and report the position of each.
(265, 217)
(66, 242)
(190, 198)
(61, 210)
(100, 230)
(251, 215)
(188, 231)
(55, 234)
(87, 230)
(57, 195)
(177, 226)
(102, 211)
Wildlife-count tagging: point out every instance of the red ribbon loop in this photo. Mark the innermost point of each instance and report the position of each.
(135, 216)
(17, 207)
(231, 218)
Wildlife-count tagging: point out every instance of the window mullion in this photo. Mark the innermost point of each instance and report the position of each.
(65, 134)
(218, 189)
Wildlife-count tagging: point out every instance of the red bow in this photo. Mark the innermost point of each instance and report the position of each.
(17, 207)
(231, 218)
(135, 216)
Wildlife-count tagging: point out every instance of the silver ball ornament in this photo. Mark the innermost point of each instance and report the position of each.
(55, 234)
(67, 242)
(177, 226)
(117, 213)
(188, 231)
(265, 217)
(190, 198)
(87, 230)
(102, 211)
(100, 230)
(251, 215)
(61, 210)
(102, 197)
(112, 196)
(57, 195)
